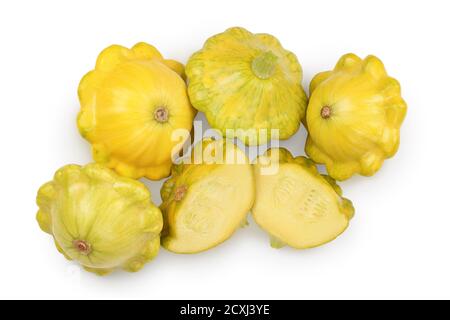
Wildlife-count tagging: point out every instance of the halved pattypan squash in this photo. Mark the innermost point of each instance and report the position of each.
(207, 200)
(131, 103)
(295, 204)
(354, 117)
(100, 219)
(247, 83)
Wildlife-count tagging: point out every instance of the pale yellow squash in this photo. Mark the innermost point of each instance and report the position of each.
(100, 219)
(249, 85)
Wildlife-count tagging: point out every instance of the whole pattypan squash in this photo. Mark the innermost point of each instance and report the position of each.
(295, 204)
(131, 104)
(247, 83)
(354, 117)
(207, 200)
(100, 219)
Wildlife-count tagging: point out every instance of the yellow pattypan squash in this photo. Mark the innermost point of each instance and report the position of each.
(354, 117)
(295, 204)
(247, 83)
(207, 200)
(131, 104)
(100, 219)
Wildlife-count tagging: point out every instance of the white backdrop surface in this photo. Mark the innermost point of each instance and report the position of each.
(398, 243)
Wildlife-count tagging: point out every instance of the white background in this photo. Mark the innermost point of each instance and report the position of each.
(398, 243)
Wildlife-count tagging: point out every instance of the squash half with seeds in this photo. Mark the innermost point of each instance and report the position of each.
(295, 204)
(208, 199)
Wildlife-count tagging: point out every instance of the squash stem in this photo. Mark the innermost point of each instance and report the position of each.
(325, 112)
(161, 114)
(180, 192)
(263, 66)
(82, 247)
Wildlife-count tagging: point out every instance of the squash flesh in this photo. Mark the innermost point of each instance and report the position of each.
(299, 207)
(212, 210)
(205, 203)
